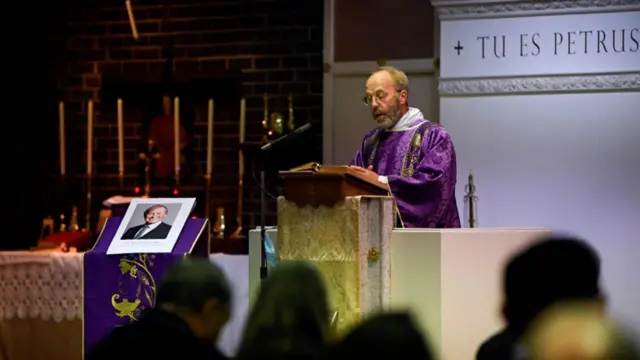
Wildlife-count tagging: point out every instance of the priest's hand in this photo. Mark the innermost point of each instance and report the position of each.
(367, 173)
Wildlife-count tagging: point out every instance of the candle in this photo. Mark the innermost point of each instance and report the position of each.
(89, 137)
(210, 138)
(265, 121)
(63, 152)
(120, 139)
(132, 20)
(176, 134)
(243, 114)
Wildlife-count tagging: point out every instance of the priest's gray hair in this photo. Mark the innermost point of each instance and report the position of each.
(400, 79)
(190, 283)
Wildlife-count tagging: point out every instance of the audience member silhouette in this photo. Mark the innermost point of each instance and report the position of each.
(577, 331)
(192, 306)
(551, 270)
(384, 336)
(290, 318)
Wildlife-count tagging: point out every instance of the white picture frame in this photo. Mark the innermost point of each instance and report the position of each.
(151, 225)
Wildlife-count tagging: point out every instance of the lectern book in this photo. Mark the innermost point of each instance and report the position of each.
(314, 184)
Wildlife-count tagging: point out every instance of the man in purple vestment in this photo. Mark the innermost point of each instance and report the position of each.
(415, 157)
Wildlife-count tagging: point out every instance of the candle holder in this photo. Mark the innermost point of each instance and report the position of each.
(274, 123)
(47, 229)
(471, 203)
(207, 196)
(290, 123)
(89, 202)
(63, 224)
(219, 226)
(121, 180)
(238, 233)
(73, 223)
(150, 156)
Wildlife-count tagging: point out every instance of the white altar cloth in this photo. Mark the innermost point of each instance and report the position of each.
(46, 288)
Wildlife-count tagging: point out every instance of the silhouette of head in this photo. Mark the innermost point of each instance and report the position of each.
(291, 309)
(551, 270)
(198, 291)
(385, 336)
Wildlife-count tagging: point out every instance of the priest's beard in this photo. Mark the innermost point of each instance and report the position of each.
(391, 117)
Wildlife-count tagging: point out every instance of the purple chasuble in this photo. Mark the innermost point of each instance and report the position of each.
(420, 164)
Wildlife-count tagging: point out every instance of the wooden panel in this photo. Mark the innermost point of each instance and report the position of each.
(374, 29)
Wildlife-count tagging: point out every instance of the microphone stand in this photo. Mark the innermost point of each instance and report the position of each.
(263, 195)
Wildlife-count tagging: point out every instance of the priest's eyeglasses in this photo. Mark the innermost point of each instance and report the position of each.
(379, 96)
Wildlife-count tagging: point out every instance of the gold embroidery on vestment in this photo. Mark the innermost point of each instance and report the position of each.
(371, 146)
(411, 156)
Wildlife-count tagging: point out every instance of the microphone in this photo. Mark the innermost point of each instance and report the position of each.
(289, 136)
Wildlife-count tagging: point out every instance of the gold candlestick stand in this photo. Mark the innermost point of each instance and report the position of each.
(88, 210)
(471, 203)
(207, 196)
(219, 226)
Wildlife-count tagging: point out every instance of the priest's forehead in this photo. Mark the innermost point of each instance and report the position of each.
(387, 78)
(380, 80)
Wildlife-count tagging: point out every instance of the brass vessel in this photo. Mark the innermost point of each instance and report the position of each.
(219, 226)
(73, 223)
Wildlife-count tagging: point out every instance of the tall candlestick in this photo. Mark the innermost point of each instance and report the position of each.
(243, 114)
(290, 124)
(132, 20)
(243, 125)
(210, 137)
(89, 137)
(61, 129)
(176, 135)
(120, 139)
(265, 121)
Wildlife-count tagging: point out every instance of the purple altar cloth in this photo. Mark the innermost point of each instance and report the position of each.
(117, 288)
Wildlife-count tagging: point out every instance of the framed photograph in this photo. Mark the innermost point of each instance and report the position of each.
(151, 225)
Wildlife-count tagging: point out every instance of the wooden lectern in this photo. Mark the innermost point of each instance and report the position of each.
(341, 222)
(315, 185)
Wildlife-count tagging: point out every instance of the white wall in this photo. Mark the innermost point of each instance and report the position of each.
(569, 162)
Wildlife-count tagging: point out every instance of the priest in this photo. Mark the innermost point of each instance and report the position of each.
(413, 156)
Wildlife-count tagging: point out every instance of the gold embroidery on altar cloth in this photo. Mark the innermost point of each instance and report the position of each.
(135, 274)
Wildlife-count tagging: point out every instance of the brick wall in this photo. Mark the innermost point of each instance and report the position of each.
(273, 47)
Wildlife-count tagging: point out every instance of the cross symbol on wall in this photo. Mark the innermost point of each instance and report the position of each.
(458, 47)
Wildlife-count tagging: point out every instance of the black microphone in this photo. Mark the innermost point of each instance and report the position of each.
(289, 136)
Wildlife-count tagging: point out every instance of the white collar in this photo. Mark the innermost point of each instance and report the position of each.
(407, 119)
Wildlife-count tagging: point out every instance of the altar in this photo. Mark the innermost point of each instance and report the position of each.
(450, 279)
